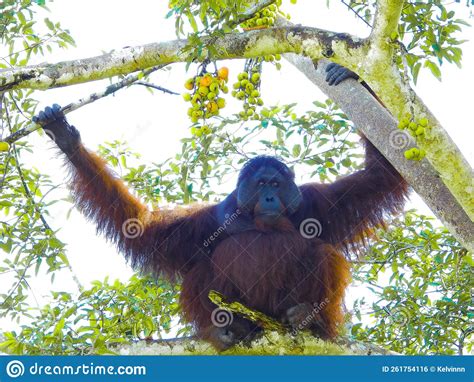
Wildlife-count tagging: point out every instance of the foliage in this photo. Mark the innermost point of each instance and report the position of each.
(417, 273)
(101, 316)
(19, 32)
(25, 235)
(428, 31)
(420, 279)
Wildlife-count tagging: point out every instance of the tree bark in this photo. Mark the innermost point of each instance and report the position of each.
(380, 128)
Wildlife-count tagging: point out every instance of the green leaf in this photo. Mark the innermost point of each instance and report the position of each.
(192, 21)
(434, 69)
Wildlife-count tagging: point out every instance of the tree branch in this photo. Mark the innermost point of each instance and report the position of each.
(111, 89)
(381, 129)
(386, 21)
(313, 42)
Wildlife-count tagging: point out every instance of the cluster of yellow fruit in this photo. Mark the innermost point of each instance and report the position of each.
(417, 130)
(204, 97)
(414, 154)
(246, 89)
(265, 18)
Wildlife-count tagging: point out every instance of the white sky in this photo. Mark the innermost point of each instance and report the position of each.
(153, 124)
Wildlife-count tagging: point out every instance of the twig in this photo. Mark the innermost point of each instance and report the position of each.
(356, 13)
(111, 89)
(157, 87)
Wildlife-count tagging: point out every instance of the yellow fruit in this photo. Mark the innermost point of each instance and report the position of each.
(214, 87)
(220, 103)
(187, 97)
(423, 122)
(205, 81)
(211, 96)
(189, 84)
(206, 130)
(212, 107)
(420, 130)
(408, 154)
(225, 89)
(240, 95)
(244, 83)
(249, 87)
(223, 73)
(255, 94)
(255, 77)
(4, 146)
(203, 90)
(412, 125)
(198, 132)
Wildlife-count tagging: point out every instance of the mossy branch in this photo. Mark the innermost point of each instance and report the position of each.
(313, 42)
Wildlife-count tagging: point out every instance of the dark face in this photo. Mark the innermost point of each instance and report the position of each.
(268, 195)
